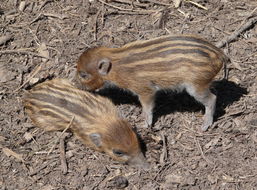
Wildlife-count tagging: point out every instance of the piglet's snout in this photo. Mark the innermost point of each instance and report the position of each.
(140, 161)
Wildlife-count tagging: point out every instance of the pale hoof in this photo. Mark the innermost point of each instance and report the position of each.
(206, 125)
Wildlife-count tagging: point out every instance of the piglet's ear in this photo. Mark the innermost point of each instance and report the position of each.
(96, 139)
(104, 66)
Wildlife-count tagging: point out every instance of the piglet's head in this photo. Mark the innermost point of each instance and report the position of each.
(120, 142)
(92, 67)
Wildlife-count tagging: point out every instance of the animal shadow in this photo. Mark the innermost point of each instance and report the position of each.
(169, 102)
(227, 92)
(119, 96)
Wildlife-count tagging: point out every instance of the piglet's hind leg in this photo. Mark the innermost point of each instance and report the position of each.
(208, 99)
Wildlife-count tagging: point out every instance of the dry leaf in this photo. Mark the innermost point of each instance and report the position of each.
(235, 79)
(236, 65)
(33, 81)
(197, 4)
(156, 138)
(8, 152)
(228, 178)
(22, 6)
(178, 136)
(42, 50)
(173, 178)
(178, 179)
(177, 3)
(28, 136)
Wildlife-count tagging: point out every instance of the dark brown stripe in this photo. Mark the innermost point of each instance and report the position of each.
(166, 65)
(180, 44)
(65, 93)
(86, 96)
(52, 114)
(39, 106)
(168, 38)
(143, 56)
(195, 39)
(63, 103)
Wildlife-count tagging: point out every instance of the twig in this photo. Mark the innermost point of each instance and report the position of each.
(197, 4)
(133, 13)
(21, 51)
(59, 16)
(95, 26)
(8, 152)
(32, 75)
(56, 141)
(248, 17)
(184, 22)
(123, 9)
(131, 2)
(42, 15)
(163, 155)
(243, 27)
(161, 169)
(115, 7)
(185, 147)
(62, 156)
(158, 3)
(161, 21)
(41, 168)
(201, 151)
(36, 19)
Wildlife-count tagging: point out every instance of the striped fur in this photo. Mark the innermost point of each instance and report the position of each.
(52, 105)
(168, 62)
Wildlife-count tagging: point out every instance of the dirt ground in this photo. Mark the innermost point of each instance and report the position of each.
(181, 157)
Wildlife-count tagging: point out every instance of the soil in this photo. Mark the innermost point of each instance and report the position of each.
(45, 40)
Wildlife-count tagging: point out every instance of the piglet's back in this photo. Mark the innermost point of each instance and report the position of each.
(52, 105)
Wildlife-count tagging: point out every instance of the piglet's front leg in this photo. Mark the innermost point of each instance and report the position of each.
(147, 102)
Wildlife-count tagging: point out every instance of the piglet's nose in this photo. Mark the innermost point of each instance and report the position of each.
(145, 166)
(140, 162)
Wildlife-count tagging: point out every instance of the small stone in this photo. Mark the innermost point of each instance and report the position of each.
(190, 180)
(228, 178)
(194, 165)
(213, 179)
(203, 164)
(28, 136)
(33, 81)
(118, 182)
(173, 178)
(69, 154)
(22, 6)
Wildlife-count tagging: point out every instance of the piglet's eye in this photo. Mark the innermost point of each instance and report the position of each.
(84, 75)
(118, 153)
